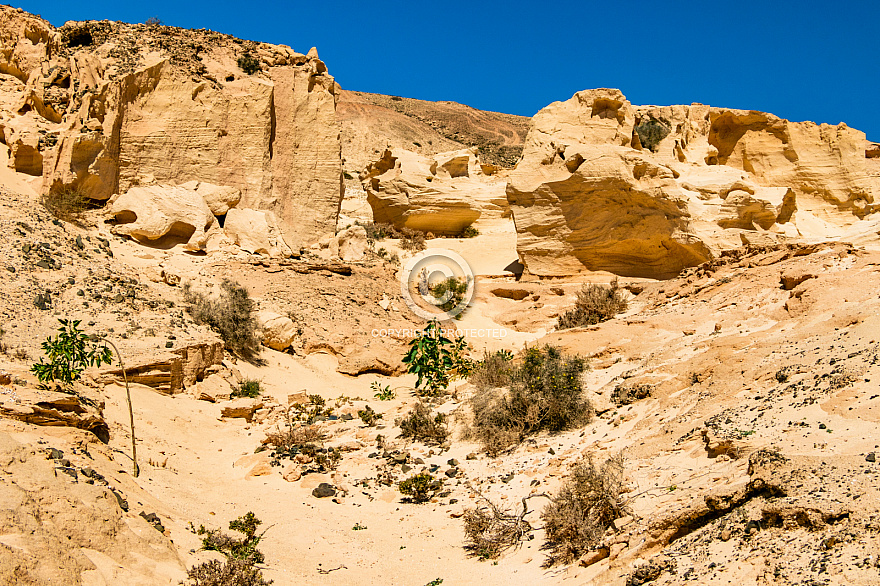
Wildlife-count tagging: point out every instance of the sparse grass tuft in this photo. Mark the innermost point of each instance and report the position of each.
(369, 417)
(594, 304)
(493, 371)
(232, 316)
(578, 516)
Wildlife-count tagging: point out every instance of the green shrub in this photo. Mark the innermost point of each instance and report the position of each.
(651, 132)
(578, 516)
(436, 360)
(249, 64)
(469, 232)
(422, 425)
(594, 304)
(241, 554)
(453, 290)
(545, 395)
(69, 354)
(232, 316)
(248, 388)
(420, 488)
(368, 416)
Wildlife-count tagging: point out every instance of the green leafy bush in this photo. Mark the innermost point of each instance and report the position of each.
(249, 64)
(578, 516)
(469, 232)
(420, 488)
(422, 425)
(453, 290)
(69, 354)
(545, 395)
(382, 393)
(594, 304)
(232, 316)
(436, 360)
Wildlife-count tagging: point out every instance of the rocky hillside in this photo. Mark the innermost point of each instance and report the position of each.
(372, 122)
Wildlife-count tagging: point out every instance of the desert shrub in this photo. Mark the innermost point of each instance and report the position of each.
(154, 21)
(377, 231)
(232, 316)
(469, 232)
(241, 554)
(229, 573)
(585, 507)
(249, 64)
(651, 132)
(594, 304)
(453, 290)
(493, 371)
(626, 394)
(248, 388)
(315, 410)
(422, 425)
(68, 354)
(368, 416)
(420, 488)
(545, 395)
(412, 240)
(488, 531)
(436, 360)
(67, 203)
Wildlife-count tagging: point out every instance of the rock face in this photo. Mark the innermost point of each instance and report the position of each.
(646, 191)
(103, 107)
(443, 193)
(255, 231)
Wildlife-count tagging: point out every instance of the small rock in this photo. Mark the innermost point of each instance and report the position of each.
(871, 457)
(292, 473)
(169, 344)
(471, 456)
(55, 454)
(594, 556)
(452, 472)
(622, 522)
(725, 534)
(324, 490)
(452, 462)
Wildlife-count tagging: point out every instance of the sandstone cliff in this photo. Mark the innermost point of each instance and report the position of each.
(103, 106)
(646, 191)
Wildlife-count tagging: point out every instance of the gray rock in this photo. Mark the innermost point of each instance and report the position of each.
(324, 490)
(872, 457)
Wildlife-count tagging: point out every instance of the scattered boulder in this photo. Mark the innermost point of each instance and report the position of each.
(279, 331)
(324, 490)
(256, 232)
(243, 408)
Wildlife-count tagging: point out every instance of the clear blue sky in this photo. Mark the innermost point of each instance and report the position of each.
(805, 60)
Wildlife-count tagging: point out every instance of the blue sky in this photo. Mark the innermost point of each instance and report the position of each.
(800, 60)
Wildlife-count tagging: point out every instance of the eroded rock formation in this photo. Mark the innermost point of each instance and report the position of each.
(442, 194)
(102, 107)
(646, 191)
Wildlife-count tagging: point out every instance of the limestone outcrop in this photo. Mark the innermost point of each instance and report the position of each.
(102, 107)
(646, 191)
(443, 193)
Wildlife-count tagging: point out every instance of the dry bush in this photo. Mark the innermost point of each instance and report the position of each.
(585, 507)
(594, 304)
(627, 394)
(67, 203)
(294, 437)
(489, 532)
(545, 395)
(420, 488)
(421, 425)
(412, 240)
(233, 316)
(377, 231)
(493, 371)
(233, 572)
